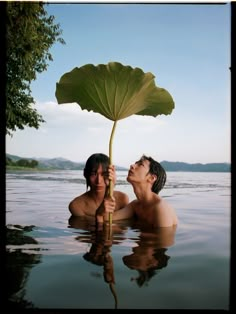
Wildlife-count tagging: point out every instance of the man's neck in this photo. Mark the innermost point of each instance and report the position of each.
(143, 192)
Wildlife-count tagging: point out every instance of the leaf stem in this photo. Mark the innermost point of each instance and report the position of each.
(110, 160)
(110, 156)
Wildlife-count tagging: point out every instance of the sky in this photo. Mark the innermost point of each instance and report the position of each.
(185, 46)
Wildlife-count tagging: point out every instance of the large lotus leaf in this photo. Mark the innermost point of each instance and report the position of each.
(158, 102)
(114, 90)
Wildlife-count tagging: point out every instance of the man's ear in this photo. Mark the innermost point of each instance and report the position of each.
(153, 178)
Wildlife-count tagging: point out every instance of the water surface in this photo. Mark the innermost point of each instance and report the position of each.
(55, 262)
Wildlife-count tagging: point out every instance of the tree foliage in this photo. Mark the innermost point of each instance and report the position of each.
(30, 33)
(22, 163)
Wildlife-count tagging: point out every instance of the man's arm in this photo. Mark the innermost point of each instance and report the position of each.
(123, 213)
(108, 206)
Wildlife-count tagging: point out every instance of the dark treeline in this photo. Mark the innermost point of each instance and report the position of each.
(22, 163)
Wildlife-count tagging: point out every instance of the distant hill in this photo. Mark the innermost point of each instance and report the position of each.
(65, 164)
(183, 166)
(58, 163)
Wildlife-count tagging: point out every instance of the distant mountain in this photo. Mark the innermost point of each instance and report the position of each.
(183, 166)
(65, 164)
(58, 163)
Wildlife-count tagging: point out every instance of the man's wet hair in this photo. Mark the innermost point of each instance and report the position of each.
(156, 169)
(93, 163)
(145, 275)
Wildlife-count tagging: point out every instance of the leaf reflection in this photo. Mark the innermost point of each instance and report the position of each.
(101, 239)
(100, 254)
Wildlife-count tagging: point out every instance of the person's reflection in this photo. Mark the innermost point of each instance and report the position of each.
(99, 231)
(99, 253)
(83, 223)
(150, 254)
(101, 239)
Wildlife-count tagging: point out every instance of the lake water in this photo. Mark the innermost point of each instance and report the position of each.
(54, 262)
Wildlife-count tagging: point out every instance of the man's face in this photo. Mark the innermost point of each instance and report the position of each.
(98, 179)
(139, 171)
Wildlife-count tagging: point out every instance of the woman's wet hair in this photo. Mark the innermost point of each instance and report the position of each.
(156, 169)
(93, 163)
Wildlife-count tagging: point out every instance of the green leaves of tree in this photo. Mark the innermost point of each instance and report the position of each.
(30, 33)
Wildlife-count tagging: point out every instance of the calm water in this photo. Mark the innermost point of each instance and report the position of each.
(58, 263)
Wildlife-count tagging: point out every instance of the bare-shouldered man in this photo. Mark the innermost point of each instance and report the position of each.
(147, 177)
(97, 177)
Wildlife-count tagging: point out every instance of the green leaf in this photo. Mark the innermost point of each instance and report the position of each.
(114, 90)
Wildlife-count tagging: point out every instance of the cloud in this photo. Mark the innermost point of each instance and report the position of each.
(70, 116)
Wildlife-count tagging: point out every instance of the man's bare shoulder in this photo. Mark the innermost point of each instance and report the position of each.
(77, 204)
(121, 198)
(133, 204)
(119, 193)
(162, 204)
(165, 214)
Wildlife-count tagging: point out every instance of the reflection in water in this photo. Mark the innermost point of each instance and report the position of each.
(99, 254)
(101, 239)
(147, 257)
(83, 223)
(150, 253)
(18, 266)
